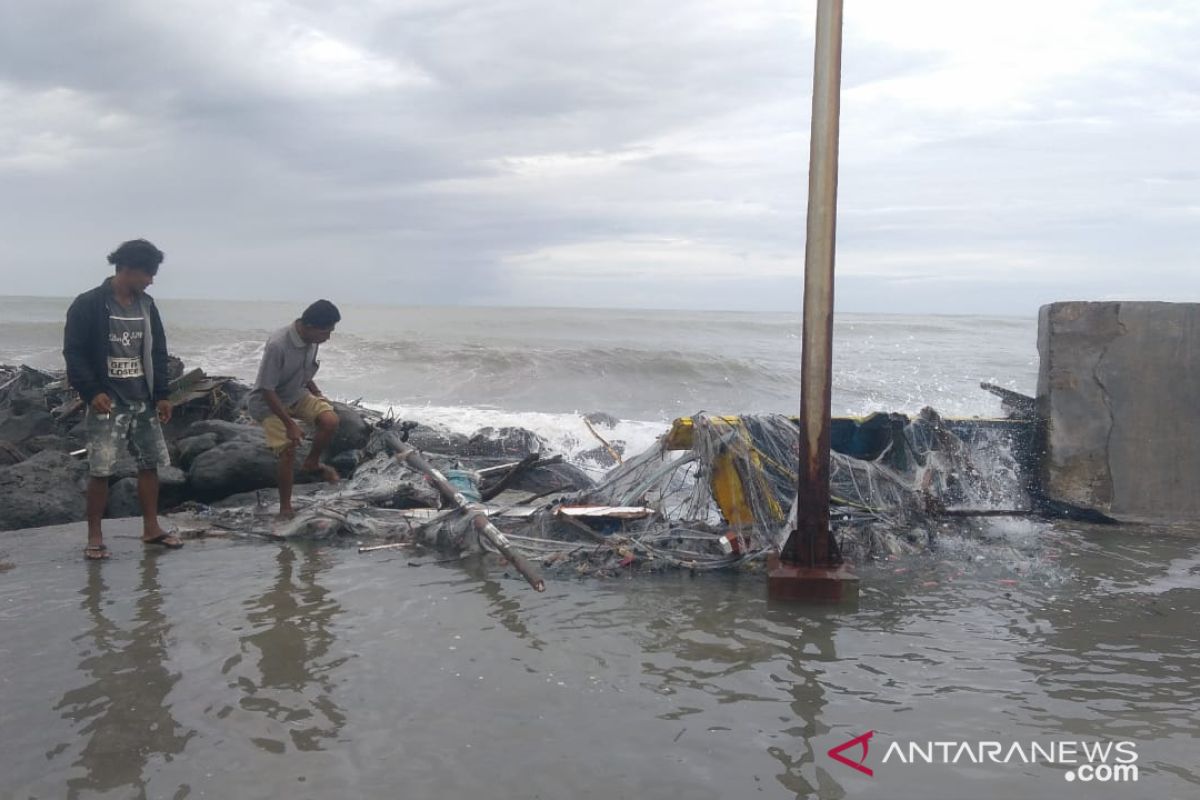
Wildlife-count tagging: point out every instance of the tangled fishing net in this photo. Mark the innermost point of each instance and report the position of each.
(728, 500)
(713, 493)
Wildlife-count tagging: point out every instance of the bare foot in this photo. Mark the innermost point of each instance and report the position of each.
(95, 552)
(326, 472)
(286, 513)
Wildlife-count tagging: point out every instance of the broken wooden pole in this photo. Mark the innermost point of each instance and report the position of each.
(476, 512)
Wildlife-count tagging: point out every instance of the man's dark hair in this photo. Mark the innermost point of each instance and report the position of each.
(321, 314)
(137, 254)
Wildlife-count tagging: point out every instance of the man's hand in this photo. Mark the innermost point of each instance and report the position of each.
(102, 404)
(164, 411)
(294, 433)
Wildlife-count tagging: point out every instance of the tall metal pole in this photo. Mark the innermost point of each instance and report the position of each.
(810, 557)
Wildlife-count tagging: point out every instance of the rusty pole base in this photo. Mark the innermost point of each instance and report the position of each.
(791, 582)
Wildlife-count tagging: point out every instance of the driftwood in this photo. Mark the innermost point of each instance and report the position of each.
(611, 450)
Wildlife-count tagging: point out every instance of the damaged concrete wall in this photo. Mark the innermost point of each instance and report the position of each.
(1119, 389)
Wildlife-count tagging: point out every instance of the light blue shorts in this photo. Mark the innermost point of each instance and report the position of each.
(127, 427)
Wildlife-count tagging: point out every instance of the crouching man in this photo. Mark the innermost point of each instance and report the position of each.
(284, 392)
(116, 354)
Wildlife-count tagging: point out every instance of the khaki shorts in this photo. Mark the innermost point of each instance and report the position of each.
(306, 409)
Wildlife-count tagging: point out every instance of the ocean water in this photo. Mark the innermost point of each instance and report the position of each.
(543, 368)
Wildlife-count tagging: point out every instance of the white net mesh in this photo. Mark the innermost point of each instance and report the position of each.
(717, 499)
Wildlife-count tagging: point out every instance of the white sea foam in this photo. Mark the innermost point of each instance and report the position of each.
(565, 433)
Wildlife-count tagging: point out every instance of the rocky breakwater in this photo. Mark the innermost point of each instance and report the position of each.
(217, 452)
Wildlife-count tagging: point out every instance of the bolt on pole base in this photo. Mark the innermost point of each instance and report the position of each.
(794, 583)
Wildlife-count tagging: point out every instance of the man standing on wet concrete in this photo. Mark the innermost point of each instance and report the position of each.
(284, 392)
(116, 353)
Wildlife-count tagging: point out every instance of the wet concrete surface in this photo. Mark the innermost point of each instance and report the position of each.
(243, 668)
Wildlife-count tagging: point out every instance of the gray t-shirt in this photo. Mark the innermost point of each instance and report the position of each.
(288, 364)
(125, 371)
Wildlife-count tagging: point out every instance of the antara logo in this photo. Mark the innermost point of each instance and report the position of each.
(836, 753)
(1103, 761)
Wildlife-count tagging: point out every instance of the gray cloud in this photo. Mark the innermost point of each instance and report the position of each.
(647, 154)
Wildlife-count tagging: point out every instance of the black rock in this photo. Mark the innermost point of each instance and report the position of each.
(49, 441)
(169, 475)
(238, 393)
(353, 431)
(123, 499)
(16, 428)
(172, 487)
(25, 399)
(601, 455)
(193, 446)
(429, 439)
(345, 462)
(126, 467)
(552, 477)
(42, 490)
(601, 419)
(11, 454)
(514, 442)
(226, 431)
(239, 465)
(175, 367)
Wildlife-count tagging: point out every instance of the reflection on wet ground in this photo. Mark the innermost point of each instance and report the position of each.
(244, 669)
(290, 646)
(121, 712)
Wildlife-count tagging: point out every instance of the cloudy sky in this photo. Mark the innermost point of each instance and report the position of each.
(995, 156)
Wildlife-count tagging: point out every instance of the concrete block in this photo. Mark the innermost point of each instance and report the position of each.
(1119, 391)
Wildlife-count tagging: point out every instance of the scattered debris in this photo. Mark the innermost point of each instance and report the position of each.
(715, 492)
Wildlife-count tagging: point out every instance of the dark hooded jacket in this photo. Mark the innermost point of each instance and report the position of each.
(85, 345)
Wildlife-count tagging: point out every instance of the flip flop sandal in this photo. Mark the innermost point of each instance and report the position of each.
(95, 552)
(163, 540)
